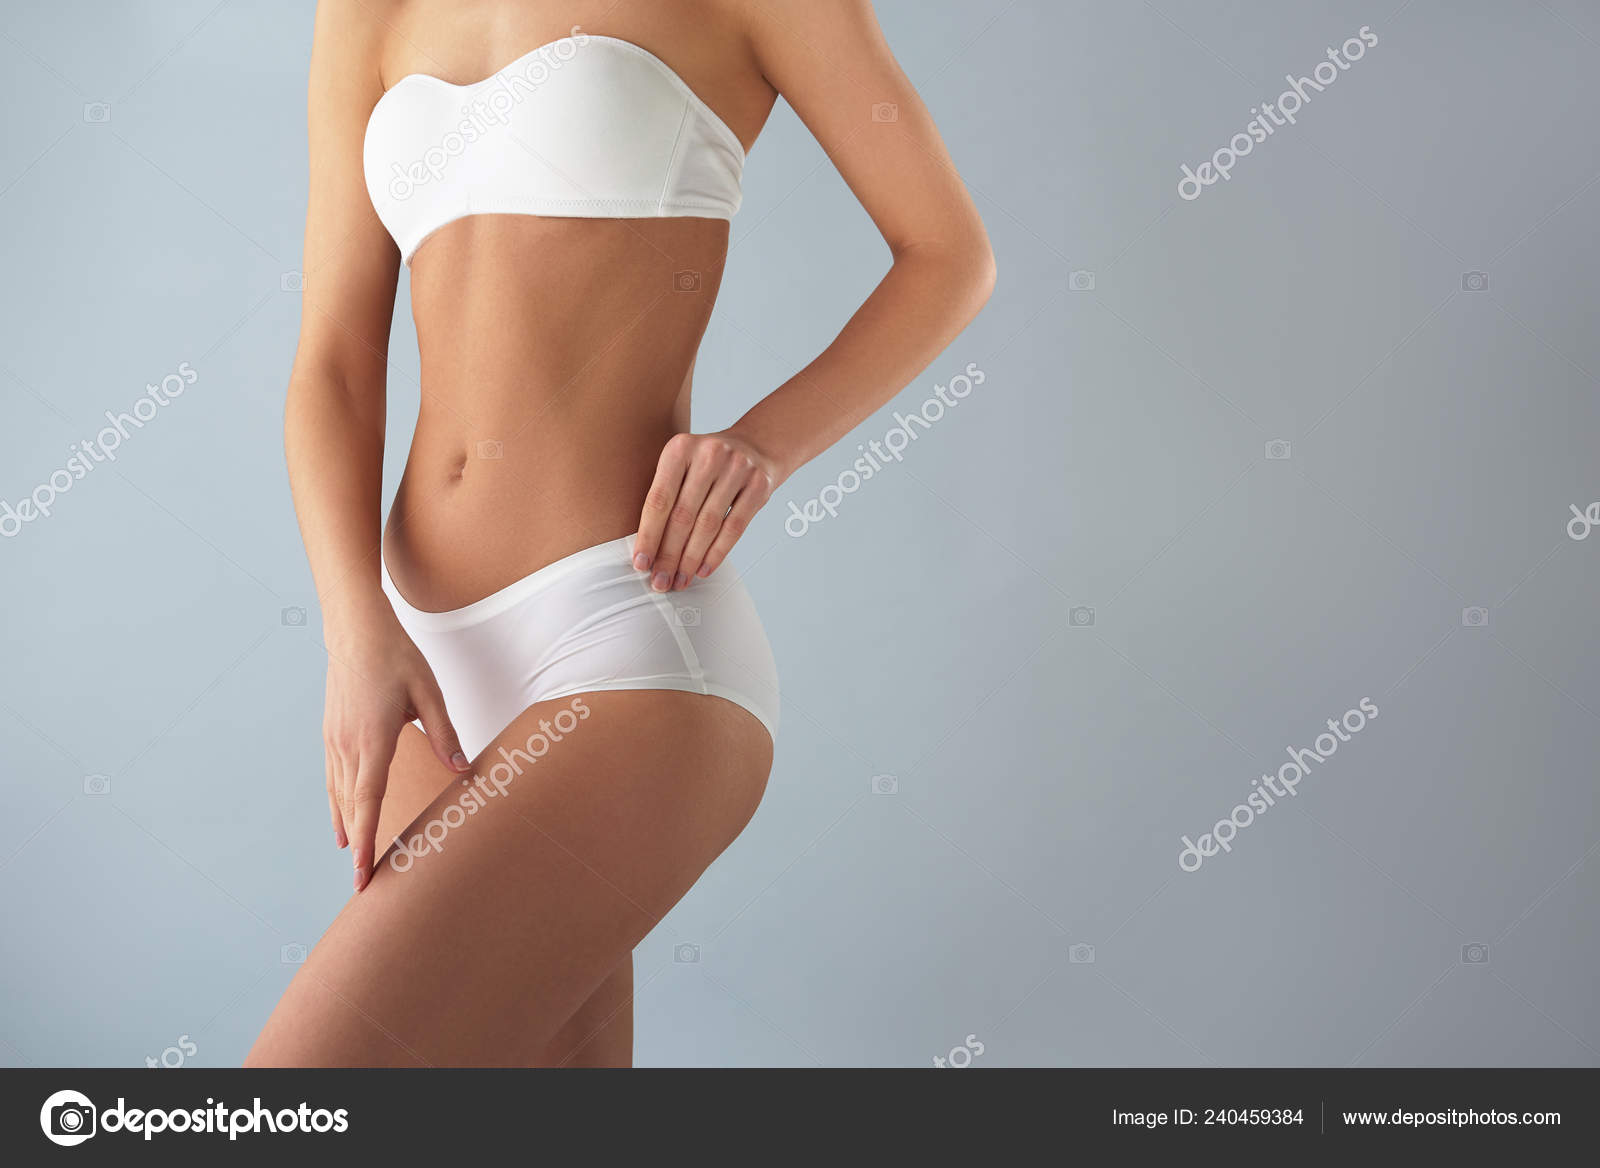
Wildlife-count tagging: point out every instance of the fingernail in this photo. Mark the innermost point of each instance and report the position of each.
(358, 880)
(460, 760)
(683, 579)
(642, 562)
(705, 570)
(338, 840)
(661, 582)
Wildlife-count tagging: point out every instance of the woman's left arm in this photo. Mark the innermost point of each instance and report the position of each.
(829, 60)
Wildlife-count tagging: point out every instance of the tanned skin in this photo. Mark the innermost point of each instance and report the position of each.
(556, 359)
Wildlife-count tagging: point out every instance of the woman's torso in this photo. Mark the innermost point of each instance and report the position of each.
(556, 353)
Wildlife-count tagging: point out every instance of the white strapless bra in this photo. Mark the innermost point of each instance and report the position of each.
(586, 126)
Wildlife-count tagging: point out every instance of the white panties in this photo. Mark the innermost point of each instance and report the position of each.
(590, 622)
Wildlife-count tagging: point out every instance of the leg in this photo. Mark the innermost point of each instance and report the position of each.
(600, 1034)
(482, 952)
(416, 779)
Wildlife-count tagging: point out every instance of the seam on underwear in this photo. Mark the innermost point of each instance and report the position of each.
(739, 697)
(649, 209)
(672, 158)
(691, 659)
(675, 79)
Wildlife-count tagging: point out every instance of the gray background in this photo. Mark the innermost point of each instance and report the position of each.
(1114, 459)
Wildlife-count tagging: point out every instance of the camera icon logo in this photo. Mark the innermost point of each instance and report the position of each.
(1279, 448)
(686, 954)
(688, 617)
(96, 111)
(1475, 954)
(885, 785)
(67, 1118)
(292, 954)
(293, 617)
(885, 111)
(491, 449)
(97, 784)
(1475, 618)
(292, 282)
(1081, 281)
(686, 281)
(1081, 617)
(1080, 954)
(1474, 281)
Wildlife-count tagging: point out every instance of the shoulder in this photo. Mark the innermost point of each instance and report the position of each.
(797, 17)
(349, 42)
(804, 34)
(363, 19)
(357, 29)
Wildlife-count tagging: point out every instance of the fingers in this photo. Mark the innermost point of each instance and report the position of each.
(372, 776)
(340, 839)
(751, 499)
(362, 723)
(709, 523)
(442, 737)
(705, 467)
(663, 493)
(706, 491)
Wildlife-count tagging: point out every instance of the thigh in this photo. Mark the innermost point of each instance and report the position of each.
(600, 1033)
(416, 779)
(498, 923)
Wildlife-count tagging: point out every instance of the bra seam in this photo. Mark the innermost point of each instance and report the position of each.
(672, 158)
(651, 209)
(683, 87)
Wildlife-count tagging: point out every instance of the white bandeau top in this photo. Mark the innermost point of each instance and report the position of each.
(586, 126)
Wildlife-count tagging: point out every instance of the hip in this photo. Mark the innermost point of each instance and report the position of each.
(589, 622)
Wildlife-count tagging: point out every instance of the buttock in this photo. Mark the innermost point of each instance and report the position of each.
(590, 622)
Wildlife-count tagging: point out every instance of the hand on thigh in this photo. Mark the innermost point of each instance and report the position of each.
(517, 896)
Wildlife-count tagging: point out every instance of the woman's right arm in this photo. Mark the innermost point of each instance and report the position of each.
(333, 439)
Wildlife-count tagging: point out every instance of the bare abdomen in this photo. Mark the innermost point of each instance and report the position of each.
(555, 364)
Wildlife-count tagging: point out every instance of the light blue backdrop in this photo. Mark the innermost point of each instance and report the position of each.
(1091, 605)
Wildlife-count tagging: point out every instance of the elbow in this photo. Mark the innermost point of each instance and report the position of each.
(962, 266)
(974, 259)
(976, 273)
(984, 273)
